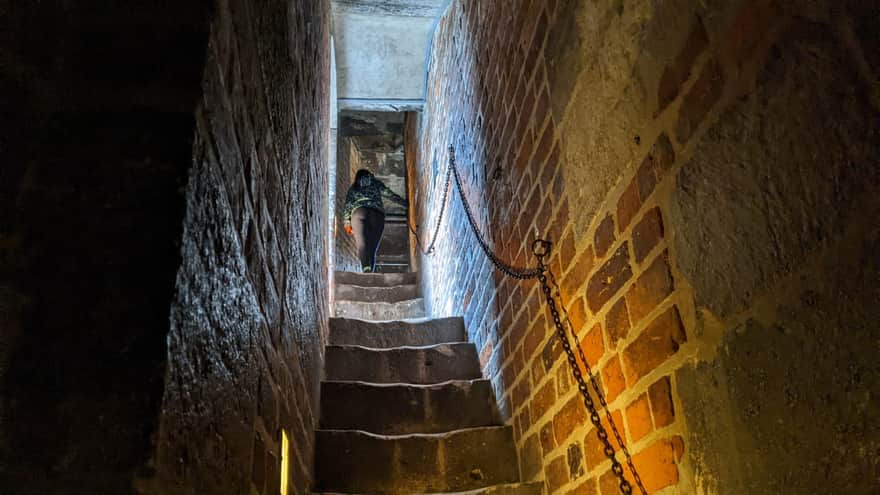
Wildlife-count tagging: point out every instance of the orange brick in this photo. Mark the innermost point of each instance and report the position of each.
(612, 377)
(573, 282)
(609, 279)
(660, 394)
(628, 205)
(638, 418)
(544, 399)
(617, 322)
(657, 465)
(572, 416)
(521, 392)
(548, 440)
(647, 233)
(604, 237)
(593, 449)
(651, 288)
(660, 340)
(593, 345)
(577, 314)
(534, 338)
(538, 370)
(588, 487)
(608, 484)
(556, 474)
(564, 380)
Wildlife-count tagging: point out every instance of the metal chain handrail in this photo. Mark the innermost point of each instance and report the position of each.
(541, 249)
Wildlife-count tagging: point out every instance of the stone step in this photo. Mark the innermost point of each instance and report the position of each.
(392, 294)
(533, 488)
(381, 311)
(416, 365)
(403, 409)
(382, 335)
(360, 462)
(375, 279)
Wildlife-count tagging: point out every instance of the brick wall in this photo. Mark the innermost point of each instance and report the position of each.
(249, 316)
(708, 173)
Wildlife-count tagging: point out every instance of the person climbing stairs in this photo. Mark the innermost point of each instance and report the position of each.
(404, 406)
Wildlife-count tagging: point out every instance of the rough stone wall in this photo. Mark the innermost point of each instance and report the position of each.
(96, 128)
(249, 315)
(709, 173)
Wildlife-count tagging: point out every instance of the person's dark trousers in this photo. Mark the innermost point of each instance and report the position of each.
(367, 225)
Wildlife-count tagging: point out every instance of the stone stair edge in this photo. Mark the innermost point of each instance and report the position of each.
(447, 383)
(409, 321)
(398, 348)
(506, 486)
(410, 436)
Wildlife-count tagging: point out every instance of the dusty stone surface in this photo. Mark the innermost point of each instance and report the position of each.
(471, 459)
(403, 409)
(424, 365)
(780, 247)
(793, 389)
(380, 48)
(376, 294)
(747, 212)
(375, 279)
(345, 331)
(381, 310)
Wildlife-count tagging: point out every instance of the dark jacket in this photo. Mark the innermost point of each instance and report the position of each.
(369, 196)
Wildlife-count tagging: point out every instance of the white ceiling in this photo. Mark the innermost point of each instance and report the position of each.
(381, 51)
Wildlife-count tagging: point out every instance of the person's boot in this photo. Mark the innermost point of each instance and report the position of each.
(368, 269)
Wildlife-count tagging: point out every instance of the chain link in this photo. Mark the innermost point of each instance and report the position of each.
(430, 250)
(501, 265)
(595, 384)
(541, 249)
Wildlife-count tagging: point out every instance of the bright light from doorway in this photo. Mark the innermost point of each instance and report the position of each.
(285, 462)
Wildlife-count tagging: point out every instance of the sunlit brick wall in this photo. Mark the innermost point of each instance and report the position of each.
(705, 172)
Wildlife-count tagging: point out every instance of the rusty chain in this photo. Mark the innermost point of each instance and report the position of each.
(541, 249)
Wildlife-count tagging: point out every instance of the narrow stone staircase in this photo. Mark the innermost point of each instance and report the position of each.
(404, 408)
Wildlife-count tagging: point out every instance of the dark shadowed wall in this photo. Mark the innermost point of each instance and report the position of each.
(96, 127)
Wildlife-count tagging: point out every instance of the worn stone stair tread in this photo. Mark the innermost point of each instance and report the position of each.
(350, 461)
(408, 364)
(389, 294)
(404, 436)
(417, 408)
(396, 333)
(381, 311)
(531, 488)
(376, 279)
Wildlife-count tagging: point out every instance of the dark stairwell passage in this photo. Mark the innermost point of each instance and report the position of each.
(404, 406)
(375, 141)
(708, 172)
